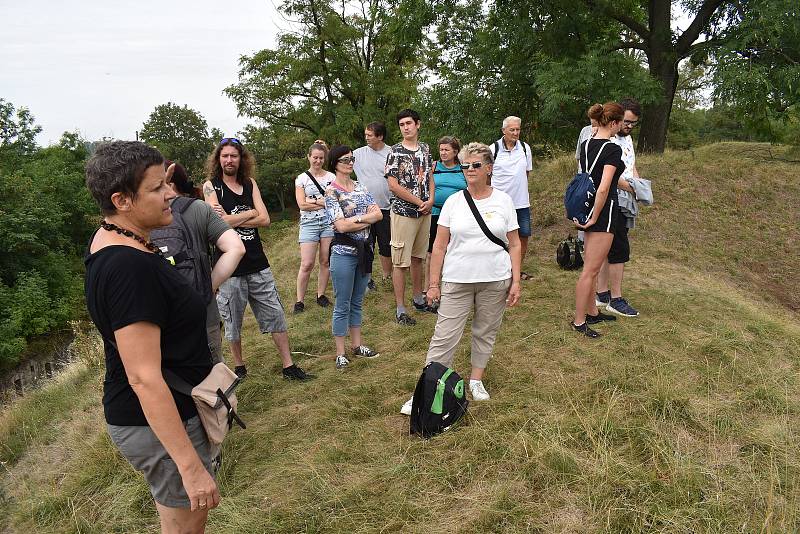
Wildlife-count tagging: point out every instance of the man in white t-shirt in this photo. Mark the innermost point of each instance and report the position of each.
(369, 167)
(619, 254)
(513, 164)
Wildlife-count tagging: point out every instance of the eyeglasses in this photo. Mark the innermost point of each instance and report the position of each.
(229, 140)
(632, 124)
(467, 166)
(347, 160)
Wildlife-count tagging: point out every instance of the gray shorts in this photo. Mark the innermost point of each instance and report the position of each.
(259, 290)
(140, 446)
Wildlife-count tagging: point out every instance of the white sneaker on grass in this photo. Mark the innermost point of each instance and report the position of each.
(479, 392)
(406, 409)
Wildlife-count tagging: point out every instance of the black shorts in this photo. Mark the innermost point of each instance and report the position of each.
(381, 231)
(607, 219)
(434, 226)
(620, 251)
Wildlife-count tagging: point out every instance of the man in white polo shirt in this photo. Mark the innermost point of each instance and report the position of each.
(369, 167)
(513, 164)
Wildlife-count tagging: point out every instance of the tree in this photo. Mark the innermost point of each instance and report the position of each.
(181, 134)
(757, 69)
(343, 65)
(17, 130)
(648, 27)
(537, 60)
(46, 218)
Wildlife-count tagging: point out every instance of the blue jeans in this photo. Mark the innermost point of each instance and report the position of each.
(348, 292)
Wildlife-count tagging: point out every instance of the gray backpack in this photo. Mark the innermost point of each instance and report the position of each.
(183, 250)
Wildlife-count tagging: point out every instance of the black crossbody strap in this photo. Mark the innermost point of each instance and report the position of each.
(177, 383)
(489, 235)
(322, 191)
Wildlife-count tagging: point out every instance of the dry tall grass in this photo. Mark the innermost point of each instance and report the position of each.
(683, 420)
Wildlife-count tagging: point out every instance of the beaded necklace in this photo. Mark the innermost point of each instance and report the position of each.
(111, 227)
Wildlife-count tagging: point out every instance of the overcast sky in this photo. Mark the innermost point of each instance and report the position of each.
(101, 66)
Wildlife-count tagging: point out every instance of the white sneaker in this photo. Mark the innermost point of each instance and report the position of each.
(478, 391)
(341, 362)
(406, 409)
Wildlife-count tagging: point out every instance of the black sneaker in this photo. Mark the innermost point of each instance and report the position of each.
(295, 373)
(299, 307)
(406, 320)
(585, 330)
(365, 352)
(424, 307)
(323, 301)
(371, 285)
(240, 370)
(599, 318)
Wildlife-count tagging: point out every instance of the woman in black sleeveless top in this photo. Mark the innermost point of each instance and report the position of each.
(605, 159)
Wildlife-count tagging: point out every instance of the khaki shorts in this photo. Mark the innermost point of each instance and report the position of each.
(409, 238)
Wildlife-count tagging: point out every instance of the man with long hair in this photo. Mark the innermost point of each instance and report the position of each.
(234, 195)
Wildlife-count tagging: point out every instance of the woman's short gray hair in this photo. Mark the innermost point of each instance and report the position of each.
(477, 149)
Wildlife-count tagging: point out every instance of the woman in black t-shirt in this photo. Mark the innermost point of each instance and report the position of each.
(604, 158)
(150, 318)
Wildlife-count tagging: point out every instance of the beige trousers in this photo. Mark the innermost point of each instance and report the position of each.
(488, 300)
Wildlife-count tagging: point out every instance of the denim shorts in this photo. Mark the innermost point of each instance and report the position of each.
(140, 446)
(257, 289)
(524, 221)
(312, 229)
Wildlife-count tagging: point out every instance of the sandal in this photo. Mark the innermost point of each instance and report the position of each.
(524, 276)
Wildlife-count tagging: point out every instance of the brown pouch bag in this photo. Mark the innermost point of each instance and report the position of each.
(214, 398)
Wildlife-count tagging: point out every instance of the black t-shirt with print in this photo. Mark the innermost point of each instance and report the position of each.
(124, 286)
(254, 259)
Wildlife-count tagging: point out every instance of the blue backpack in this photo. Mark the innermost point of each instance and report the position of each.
(579, 198)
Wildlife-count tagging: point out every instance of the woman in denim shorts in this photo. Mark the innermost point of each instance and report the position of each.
(150, 319)
(316, 231)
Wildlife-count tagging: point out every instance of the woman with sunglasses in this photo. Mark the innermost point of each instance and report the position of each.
(604, 158)
(477, 274)
(351, 209)
(315, 230)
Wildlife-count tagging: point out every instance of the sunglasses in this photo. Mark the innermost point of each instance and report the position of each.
(229, 140)
(630, 123)
(346, 160)
(467, 166)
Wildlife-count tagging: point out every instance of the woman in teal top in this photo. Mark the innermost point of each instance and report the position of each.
(449, 179)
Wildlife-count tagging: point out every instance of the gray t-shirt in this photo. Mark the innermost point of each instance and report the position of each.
(370, 167)
(586, 133)
(201, 220)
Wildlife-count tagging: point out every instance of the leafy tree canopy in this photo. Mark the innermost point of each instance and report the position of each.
(182, 135)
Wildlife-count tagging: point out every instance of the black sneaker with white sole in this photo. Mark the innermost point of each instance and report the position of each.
(365, 352)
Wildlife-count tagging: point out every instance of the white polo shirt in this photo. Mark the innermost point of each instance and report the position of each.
(510, 173)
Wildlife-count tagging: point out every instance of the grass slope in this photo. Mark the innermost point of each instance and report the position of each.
(683, 420)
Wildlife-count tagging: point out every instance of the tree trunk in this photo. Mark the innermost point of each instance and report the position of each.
(653, 137)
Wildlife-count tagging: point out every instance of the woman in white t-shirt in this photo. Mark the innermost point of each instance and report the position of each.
(316, 232)
(476, 273)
